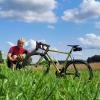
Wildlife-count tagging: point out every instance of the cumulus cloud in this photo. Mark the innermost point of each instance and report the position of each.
(31, 44)
(91, 41)
(28, 10)
(88, 9)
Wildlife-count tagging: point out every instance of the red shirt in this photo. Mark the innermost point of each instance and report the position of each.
(16, 51)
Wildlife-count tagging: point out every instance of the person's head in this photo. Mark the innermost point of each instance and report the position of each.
(20, 42)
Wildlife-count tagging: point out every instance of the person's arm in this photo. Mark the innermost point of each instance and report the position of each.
(9, 57)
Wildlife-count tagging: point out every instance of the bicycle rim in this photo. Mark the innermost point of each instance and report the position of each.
(79, 68)
(39, 63)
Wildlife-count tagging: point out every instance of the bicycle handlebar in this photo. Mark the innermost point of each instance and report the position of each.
(42, 46)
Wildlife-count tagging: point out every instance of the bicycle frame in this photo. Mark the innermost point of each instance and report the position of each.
(63, 71)
(69, 55)
(46, 49)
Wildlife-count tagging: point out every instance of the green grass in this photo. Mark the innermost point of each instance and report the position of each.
(26, 84)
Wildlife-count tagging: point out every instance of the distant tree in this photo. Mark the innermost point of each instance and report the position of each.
(1, 58)
(95, 58)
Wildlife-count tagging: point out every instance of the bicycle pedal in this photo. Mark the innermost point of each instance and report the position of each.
(61, 74)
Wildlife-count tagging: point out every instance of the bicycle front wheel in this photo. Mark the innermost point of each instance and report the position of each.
(39, 62)
(79, 68)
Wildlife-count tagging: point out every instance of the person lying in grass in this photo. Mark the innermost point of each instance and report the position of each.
(16, 53)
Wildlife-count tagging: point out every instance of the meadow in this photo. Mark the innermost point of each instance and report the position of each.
(27, 84)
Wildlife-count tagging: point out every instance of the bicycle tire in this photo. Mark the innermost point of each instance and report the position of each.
(83, 70)
(45, 64)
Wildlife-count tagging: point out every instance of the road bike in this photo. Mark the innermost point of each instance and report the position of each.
(70, 66)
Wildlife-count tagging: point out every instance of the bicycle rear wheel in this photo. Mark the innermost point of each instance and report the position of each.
(39, 62)
(79, 68)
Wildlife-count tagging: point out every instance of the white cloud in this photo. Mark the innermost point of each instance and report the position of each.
(28, 10)
(91, 41)
(10, 43)
(31, 44)
(88, 9)
(98, 25)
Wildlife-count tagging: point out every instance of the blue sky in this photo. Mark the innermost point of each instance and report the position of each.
(57, 22)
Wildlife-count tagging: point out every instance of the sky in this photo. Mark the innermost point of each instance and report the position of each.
(56, 22)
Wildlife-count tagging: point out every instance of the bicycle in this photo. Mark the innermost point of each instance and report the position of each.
(70, 67)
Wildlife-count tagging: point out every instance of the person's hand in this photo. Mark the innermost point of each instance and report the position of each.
(13, 58)
(20, 57)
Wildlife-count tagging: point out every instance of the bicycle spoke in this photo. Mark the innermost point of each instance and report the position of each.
(79, 69)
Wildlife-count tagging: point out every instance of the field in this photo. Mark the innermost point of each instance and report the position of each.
(27, 84)
(95, 66)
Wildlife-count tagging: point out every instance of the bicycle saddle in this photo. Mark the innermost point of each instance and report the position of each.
(73, 46)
